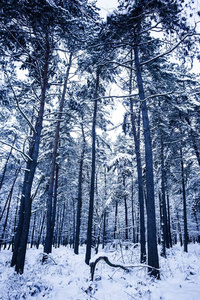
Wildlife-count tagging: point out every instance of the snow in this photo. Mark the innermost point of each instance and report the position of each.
(65, 276)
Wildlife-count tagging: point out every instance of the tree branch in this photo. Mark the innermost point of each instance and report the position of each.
(169, 51)
(106, 259)
(12, 147)
(15, 97)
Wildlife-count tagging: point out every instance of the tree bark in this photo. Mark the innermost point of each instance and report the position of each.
(80, 182)
(50, 226)
(163, 198)
(91, 204)
(61, 225)
(151, 220)
(8, 201)
(168, 221)
(192, 137)
(139, 172)
(179, 228)
(6, 164)
(132, 210)
(116, 217)
(33, 230)
(21, 236)
(125, 208)
(105, 212)
(184, 203)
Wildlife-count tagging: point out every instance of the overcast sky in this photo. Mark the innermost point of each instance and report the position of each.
(106, 6)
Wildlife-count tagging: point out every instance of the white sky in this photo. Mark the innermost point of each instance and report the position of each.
(106, 6)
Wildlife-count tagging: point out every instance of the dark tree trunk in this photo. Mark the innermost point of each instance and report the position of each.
(55, 198)
(125, 209)
(79, 204)
(6, 164)
(40, 231)
(50, 226)
(163, 188)
(21, 236)
(151, 220)
(74, 222)
(139, 171)
(192, 137)
(104, 229)
(61, 226)
(15, 222)
(162, 227)
(105, 211)
(116, 218)
(33, 230)
(179, 229)
(184, 204)
(8, 201)
(132, 211)
(197, 223)
(91, 204)
(168, 221)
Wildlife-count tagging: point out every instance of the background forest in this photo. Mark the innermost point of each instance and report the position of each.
(70, 173)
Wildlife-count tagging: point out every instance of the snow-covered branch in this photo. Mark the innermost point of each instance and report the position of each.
(112, 264)
(17, 102)
(168, 51)
(13, 147)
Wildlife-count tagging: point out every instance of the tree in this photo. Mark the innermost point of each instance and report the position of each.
(50, 218)
(38, 49)
(92, 186)
(133, 28)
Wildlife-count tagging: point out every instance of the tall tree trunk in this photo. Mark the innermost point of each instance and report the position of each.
(192, 137)
(116, 218)
(179, 228)
(91, 205)
(6, 164)
(163, 188)
(40, 230)
(80, 182)
(132, 210)
(162, 227)
(50, 226)
(184, 203)
(104, 229)
(61, 225)
(197, 223)
(153, 261)
(55, 198)
(21, 236)
(168, 221)
(139, 171)
(125, 208)
(105, 211)
(33, 229)
(8, 201)
(15, 221)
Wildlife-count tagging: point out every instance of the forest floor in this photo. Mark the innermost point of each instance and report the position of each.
(65, 276)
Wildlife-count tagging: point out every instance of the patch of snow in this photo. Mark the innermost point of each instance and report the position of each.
(65, 276)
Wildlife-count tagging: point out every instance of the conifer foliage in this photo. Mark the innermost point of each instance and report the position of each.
(67, 174)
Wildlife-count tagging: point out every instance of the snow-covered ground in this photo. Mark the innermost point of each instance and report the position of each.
(65, 276)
